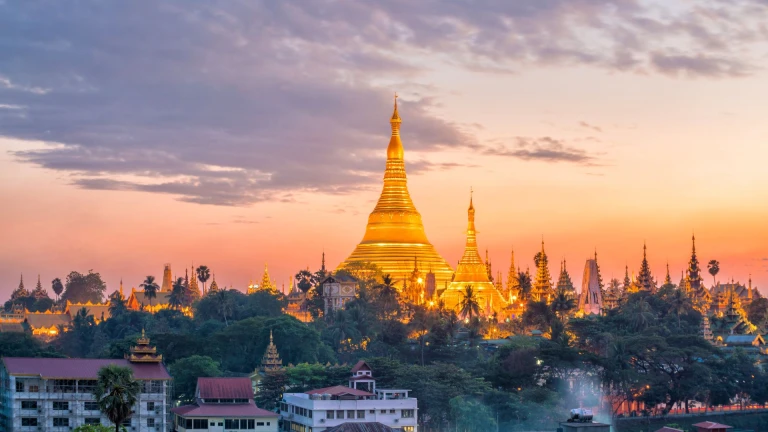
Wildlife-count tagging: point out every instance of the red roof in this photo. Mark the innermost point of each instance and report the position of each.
(669, 429)
(339, 391)
(361, 365)
(224, 388)
(222, 410)
(712, 425)
(80, 368)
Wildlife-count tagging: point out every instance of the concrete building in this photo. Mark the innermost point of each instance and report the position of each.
(223, 404)
(55, 394)
(361, 402)
(337, 291)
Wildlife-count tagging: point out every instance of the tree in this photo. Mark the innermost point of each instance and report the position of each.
(306, 280)
(82, 288)
(116, 392)
(757, 312)
(469, 305)
(470, 415)
(387, 297)
(83, 330)
(679, 302)
(186, 371)
(271, 389)
(94, 428)
(525, 284)
(714, 268)
(178, 294)
(150, 288)
(562, 303)
(57, 287)
(224, 304)
(117, 305)
(203, 274)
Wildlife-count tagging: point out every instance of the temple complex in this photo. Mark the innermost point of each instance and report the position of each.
(267, 284)
(472, 271)
(395, 233)
(143, 352)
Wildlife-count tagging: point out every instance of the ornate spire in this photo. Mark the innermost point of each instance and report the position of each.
(266, 282)
(122, 295)
(194, 288)
(513, 277)
(322, 265)
(644, 278)
(542, 286)
(599, 275)
(668, 279)
(20, 291)
(271, 360)
(395, 232)
(167, 279)
(694, 270)
(39, 292)
(214, 286)
(564, 282)
(143, 352)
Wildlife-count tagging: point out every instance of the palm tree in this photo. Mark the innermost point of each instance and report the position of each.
(641, 315)
(421, 321)
(469, 305)
(388, 295)
(562, 303)
(117, 305)
(224, 304)
(452, 324)
(203, 273)
(57, 287)
(150, 288)
(177, 298)
(679, 302)
(116, 392)
(343, 328)
(525, 284)
(714, 268)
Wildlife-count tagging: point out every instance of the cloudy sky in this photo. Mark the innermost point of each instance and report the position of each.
(237, 133)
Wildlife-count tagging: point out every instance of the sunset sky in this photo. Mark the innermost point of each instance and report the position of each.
(231, 134)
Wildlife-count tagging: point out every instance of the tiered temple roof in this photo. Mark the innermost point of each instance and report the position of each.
(542, 285)
(271, 360)
(20, 291)
(143, 352)
(645, 280)
(39, 293)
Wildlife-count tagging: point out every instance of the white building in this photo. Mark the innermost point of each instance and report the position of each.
(361, 402)
(224, 404)
(55, 394)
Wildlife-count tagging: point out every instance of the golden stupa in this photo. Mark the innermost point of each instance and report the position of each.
(473, 271)
(395, 235)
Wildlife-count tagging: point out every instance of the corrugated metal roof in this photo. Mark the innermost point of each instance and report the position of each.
(224, 388)
(361, 427)
(223, 410)
(712, 425)
(79, 368)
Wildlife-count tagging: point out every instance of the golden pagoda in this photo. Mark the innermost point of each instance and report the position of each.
(167, 279)
(395, 233)
(473, 271)
(271, 360)
(214, 288)
(542, 286)
(142, 352)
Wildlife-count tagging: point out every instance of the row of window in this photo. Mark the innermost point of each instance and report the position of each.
(340, 414)
(237, 424)
(64, 421)
(79, 386)
(65, 405)
(226, 401)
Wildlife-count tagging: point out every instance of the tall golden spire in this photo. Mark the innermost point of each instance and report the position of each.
(395, 232)
(472, 271)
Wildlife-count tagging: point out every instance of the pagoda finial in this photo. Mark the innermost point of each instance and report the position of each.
(270, 336)
(322, 265)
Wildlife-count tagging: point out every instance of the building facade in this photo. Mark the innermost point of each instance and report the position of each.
(359, 402)
(223, 404)
(337, 291)
(55, 394)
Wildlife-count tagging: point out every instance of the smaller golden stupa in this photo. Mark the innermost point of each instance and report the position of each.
(271, 360)
(472, 271)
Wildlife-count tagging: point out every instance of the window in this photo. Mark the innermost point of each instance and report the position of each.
(407, 413)
(60, 421)
(408, 429)
(329, 414)
(283, 406)
(19, 386)
(372, 412)
(126, 422)
(63, 386)
(28, 405)
(150, 422)
(187, 423)
(231, 424)
(28, 421)
(251, 423)
(309, 413)
(350, 414)
(339, 414)
(86, 386)
(200, 424)
(383, 411)
(241, 400)
(361, 414)
(259, 423)
(391, 411)
(91, 406)
(34, 388)
(60, 406)
(150, 406)
(92, 421)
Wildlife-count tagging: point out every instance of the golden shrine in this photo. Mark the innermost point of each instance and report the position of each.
(473, 271)
(395, 233)
(143, 352)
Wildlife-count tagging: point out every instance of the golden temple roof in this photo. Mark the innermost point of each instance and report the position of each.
(395, 233)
